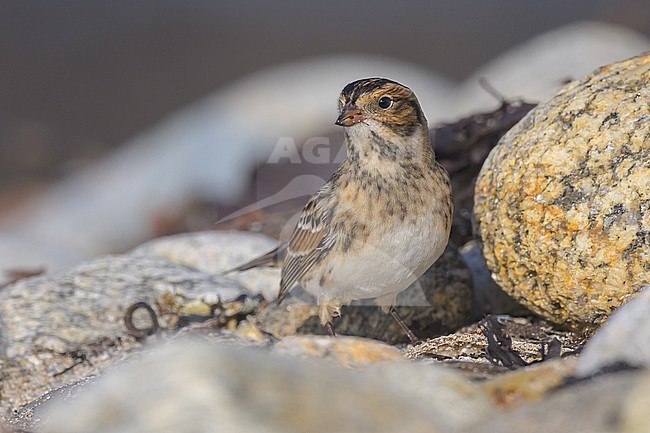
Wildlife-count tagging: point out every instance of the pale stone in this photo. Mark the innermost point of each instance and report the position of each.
(198, 387)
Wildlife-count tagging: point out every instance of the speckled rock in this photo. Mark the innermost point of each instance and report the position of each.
(352, 352)
(466, 348)
(563, 201)
(88, 302)
(58, 328)
(209, 388)
(439, 301)
(214, 252)
(624, 338)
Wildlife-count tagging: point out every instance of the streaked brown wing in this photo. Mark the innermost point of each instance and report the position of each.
(311, 240)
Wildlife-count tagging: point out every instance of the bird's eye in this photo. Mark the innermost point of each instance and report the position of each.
(385, 102)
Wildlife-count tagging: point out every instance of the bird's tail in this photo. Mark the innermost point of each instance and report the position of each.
(270, 259)
(283, 294)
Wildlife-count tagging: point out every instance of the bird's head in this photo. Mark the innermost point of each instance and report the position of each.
(382, 105)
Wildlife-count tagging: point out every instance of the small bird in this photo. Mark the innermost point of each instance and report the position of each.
(384, 216)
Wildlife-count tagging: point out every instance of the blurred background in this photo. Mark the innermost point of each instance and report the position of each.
(122, 120)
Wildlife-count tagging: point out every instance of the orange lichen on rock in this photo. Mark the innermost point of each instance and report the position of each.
(563, 201)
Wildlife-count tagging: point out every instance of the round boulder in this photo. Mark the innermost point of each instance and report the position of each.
(562, 202)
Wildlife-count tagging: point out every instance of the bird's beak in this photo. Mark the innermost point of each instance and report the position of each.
(350, 115)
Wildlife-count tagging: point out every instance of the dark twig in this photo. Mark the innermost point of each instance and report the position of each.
(483, 82)
(65, 370)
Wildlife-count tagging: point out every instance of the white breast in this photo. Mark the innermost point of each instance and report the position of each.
(388, 263)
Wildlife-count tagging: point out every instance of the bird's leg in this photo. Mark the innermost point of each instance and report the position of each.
(330, 329)
(327, 309)
(393, 312)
